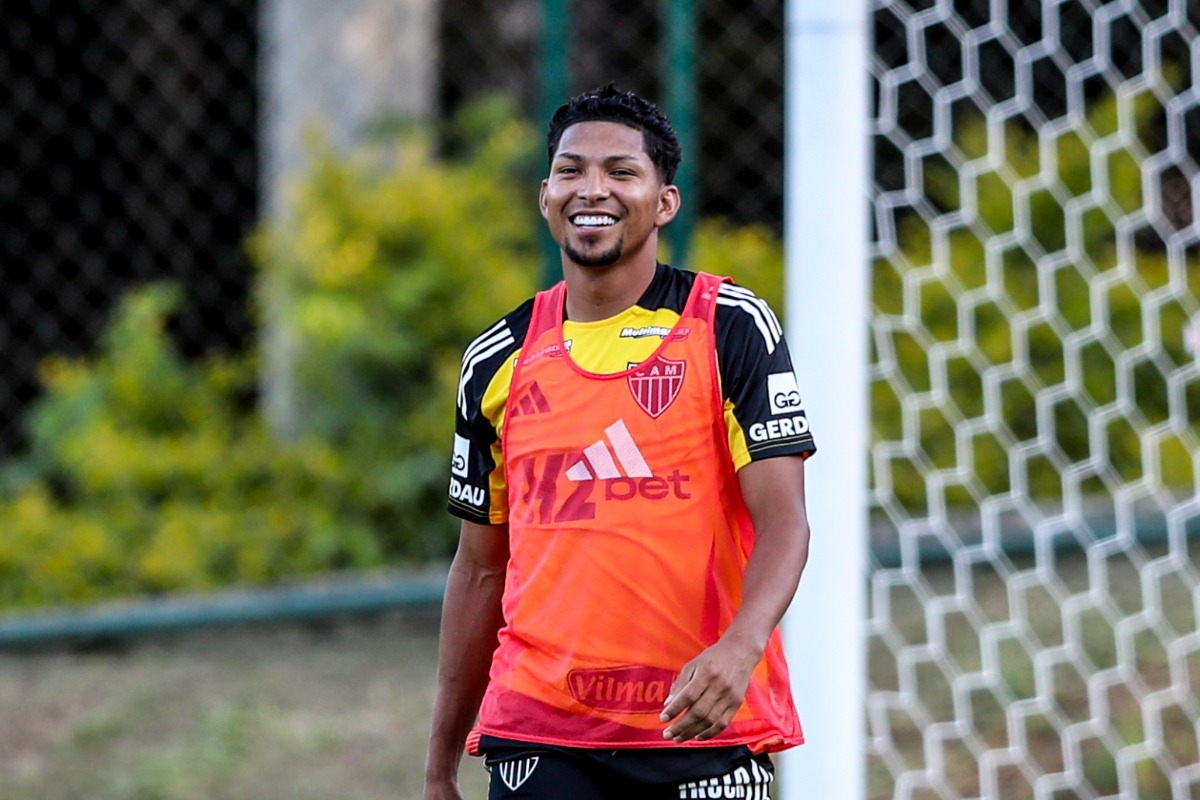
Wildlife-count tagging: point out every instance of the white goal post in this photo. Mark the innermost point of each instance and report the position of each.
(825, 210)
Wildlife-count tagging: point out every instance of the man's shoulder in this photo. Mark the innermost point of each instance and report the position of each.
(488, 350)
(512, 325)
(744, 317)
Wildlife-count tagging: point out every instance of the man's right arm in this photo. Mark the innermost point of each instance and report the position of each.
(471, 617)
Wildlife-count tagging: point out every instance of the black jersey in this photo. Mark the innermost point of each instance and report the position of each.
(764, 415)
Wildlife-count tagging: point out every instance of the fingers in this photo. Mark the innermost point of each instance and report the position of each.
(701, 706)
(703, 720)
(682, 695)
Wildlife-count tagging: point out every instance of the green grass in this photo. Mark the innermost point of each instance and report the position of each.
(296, 712)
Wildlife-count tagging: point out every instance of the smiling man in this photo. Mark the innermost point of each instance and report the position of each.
(628, 469)
(605, 199)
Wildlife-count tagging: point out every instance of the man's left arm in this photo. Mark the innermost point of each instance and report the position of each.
(711, 687)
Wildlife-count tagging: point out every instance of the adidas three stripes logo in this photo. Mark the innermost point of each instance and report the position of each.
(600, 460)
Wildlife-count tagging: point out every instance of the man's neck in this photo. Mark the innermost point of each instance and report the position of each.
(596, 293)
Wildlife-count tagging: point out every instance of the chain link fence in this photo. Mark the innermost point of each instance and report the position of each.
(128, 134)
(494, 47)
(133, 143)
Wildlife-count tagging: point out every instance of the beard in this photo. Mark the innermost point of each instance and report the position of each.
(596, 259)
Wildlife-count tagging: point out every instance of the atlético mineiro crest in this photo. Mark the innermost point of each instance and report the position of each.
(656, 384)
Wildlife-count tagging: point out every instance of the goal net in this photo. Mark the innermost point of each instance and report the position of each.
(1035, 400)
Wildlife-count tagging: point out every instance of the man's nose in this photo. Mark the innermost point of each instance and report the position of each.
(594, 185)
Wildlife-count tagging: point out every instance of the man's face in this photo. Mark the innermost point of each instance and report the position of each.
(603, 199)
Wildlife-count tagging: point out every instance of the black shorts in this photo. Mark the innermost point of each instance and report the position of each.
(528, 771)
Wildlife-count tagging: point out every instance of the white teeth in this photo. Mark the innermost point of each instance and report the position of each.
(593, 221)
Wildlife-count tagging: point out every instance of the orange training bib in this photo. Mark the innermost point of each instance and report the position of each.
(628, 539)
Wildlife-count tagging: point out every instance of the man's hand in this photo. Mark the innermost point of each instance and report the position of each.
(709, 690)
(712, 686)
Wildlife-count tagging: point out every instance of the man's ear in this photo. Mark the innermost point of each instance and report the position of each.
(668, 204)
(542, 200)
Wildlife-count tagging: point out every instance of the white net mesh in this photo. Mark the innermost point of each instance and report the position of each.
(1036, 401)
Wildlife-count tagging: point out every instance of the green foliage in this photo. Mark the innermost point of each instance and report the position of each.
(390, 263)
(750, 254)
(992, 286)
(152, 473)
(149, 474)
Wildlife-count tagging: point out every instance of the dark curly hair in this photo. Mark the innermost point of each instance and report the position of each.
(607, 104)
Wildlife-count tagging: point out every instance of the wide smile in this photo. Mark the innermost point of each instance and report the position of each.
(588, 222)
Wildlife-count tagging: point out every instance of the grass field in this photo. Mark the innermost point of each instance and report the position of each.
(300, 712)
(341, 709)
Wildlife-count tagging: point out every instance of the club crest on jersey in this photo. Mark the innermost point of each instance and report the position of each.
(656, 384)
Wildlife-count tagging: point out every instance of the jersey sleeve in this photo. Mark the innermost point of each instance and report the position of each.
(764, 413)
(476, 491)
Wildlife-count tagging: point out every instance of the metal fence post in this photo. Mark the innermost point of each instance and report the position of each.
(554, 78)
(680, 78)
